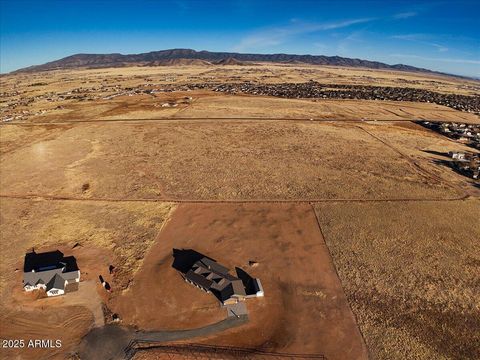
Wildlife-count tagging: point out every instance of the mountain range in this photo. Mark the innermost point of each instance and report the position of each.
(189, 57)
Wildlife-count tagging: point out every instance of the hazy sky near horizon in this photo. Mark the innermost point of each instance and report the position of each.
(438, 35)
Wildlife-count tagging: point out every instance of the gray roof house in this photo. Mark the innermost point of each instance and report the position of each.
(50, 271)
(214, 278)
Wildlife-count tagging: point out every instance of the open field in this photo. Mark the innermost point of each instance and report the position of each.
(138, 92)
(410, 273)
(199, 160)
(426, 148)
(238, 177)
(324, 109)
(268, 73)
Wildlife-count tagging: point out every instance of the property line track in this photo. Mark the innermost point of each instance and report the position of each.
(312, 206)
(203, 119)
(219, 201)
(427, 174)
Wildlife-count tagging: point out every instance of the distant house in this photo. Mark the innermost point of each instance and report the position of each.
(211, 277)
(50, 271)
(456, 155)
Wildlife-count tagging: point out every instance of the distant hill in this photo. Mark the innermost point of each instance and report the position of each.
(164, 56)
(178, 62)
(232, 61)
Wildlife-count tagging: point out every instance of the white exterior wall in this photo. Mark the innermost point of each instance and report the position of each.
(260, 292)
(31, 288)
(55, 292)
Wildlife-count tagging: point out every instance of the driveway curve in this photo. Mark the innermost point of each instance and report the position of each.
(112, 342)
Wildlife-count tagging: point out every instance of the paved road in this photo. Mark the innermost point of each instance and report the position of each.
(109, 342)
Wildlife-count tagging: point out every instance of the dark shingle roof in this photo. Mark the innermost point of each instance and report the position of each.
(234, 288)
(198, 279)
(57, 282)
(214, 266)
(238, 288)
(210, 275)
(32, 277)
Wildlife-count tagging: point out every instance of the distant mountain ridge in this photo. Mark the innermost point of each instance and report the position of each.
(166, 56)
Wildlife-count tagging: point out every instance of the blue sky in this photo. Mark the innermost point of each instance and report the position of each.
(439, 35)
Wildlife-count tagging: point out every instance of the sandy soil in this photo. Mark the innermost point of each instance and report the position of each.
(410, 272)
(65, 323)
(304, 309)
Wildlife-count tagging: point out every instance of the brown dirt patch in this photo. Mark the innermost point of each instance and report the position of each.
(67, 324)
(303, 310)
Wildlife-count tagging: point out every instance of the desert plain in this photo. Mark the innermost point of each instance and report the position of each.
(366, 244)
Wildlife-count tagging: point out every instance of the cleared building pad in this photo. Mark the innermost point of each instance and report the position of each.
(304, 309)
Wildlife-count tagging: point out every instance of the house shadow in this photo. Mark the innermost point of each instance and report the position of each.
(247, 280)
(49, 260)
(448, 164)
(443, 163)
(439, 153)
(451, 164)
(183, 259)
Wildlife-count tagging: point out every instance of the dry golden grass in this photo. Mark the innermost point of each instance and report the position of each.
(324, 109)
(410, 273)
(144, 105)
(210, 160)
(271, 73)
(125, 230)
(408, 268)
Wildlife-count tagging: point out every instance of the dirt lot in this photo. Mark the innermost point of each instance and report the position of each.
(65, 323)
(304, 309)
(410, 272)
